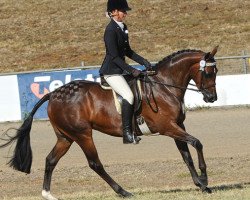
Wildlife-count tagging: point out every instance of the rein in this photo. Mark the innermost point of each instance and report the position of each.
(146, 79)
(203, 64)
(175, 86)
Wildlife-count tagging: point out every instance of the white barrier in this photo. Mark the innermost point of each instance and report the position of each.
(231, 90)
(9, 99)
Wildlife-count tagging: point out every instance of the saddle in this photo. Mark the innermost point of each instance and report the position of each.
(139, 125)
(135, 86)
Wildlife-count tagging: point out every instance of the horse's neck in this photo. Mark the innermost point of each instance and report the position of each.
(178, 76)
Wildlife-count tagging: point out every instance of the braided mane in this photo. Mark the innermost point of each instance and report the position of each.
(176, 54)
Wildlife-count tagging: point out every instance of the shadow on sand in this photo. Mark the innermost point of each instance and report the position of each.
(223, 187)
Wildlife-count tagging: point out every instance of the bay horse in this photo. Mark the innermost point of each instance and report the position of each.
(78, 107)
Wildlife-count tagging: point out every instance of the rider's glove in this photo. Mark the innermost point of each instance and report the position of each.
(136, 73)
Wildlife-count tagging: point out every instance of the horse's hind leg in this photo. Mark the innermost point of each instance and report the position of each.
(62, 146)
(89, 149)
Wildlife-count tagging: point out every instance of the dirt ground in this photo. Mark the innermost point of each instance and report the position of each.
(37, 35)
(153, 164)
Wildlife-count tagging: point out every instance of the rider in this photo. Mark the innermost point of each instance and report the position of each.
(114, 66)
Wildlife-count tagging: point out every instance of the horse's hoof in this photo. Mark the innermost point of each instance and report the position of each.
(207, 190)
(125, 194)
(137, 139)
(47, 195)
(203, 181)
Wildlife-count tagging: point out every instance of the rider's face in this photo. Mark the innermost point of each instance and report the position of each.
(119, 15)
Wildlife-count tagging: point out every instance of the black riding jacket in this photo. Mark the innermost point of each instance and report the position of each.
(117, 47)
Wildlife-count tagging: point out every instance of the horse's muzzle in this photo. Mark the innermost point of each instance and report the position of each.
(209, 97)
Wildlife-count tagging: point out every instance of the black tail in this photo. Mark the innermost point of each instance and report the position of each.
(22, 158)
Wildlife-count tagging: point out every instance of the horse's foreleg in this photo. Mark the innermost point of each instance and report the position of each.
(201, 160)
(61, 147)
(185, 153)
(182, 138)
(89, 149)
(202, 165)
(203, 181)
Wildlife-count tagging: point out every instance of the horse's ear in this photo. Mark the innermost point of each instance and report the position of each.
(214, 51)
(207, 56)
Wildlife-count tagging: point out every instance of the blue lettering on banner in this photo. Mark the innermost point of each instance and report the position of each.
(33, 86)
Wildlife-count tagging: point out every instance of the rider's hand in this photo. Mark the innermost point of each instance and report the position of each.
(136, 73)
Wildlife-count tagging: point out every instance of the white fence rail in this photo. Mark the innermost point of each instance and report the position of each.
(244, 59)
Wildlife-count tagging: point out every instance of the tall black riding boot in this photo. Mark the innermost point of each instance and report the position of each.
(127, 115)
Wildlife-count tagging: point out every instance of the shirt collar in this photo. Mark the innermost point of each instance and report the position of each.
(120, 24)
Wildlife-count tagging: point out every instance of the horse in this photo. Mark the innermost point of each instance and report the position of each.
(79, 107)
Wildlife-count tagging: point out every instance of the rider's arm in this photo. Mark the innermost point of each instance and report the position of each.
(136, 57)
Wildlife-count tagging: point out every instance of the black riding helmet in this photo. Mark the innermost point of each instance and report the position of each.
(117, 4)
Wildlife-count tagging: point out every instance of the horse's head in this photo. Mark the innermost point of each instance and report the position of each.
(204, 74)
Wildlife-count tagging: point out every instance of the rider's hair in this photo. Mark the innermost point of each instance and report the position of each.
(109, 14)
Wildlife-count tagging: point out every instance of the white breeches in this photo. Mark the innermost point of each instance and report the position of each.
(120, 86)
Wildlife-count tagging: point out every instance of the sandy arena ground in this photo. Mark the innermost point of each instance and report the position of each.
(155, 163)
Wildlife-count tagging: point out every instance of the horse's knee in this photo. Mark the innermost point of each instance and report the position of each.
(197, 144)
(50, 162)
(95, 166)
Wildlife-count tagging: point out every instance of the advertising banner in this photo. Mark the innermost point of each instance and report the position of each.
(33, 86)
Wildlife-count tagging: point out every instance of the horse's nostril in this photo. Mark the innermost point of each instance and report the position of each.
(213, 98)
(210, 97)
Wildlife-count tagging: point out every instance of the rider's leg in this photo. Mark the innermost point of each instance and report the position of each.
(127, 115)
(120, 86)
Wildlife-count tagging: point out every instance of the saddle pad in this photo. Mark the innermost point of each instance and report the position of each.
(118, 98)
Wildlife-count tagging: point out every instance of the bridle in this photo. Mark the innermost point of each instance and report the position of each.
(204, 74)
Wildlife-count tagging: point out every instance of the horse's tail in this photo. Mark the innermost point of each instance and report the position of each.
(22, 158)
